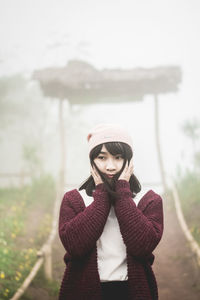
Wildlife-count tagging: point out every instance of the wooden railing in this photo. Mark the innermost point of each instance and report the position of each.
(20, 176)
(193, 244)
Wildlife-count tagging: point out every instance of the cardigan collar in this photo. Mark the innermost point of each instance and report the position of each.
(79, 205)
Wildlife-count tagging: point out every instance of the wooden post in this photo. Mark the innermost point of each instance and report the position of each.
(193, 243)
(62, 144)
(158, 145)
(48, 262)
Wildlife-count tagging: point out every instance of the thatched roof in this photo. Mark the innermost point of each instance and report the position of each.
(80, 82)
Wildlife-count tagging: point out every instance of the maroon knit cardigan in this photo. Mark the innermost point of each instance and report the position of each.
(80, 227)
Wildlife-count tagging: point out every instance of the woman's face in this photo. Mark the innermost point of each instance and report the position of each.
(107, 163)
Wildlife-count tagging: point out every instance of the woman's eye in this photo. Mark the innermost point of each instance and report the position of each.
(101, 157)
(119, 157)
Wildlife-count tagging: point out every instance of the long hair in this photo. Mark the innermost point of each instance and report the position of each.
(113, 148)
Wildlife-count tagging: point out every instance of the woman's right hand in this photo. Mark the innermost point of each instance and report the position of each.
(95, 175)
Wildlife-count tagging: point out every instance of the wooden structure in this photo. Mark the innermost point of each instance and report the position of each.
(81, 83)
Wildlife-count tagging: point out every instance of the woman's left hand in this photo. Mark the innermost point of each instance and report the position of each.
(127, 172)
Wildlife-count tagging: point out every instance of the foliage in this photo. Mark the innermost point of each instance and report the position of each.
(50, 286)
(19, 242)
(189, 192)
(32, 161)
(23, 110)
(191, 129)
(188, 182)
(12, 90)
(30, 155)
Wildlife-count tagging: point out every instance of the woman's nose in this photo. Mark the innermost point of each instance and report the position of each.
(110, 165)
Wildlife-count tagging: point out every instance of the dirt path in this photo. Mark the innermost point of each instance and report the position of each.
(175, 267)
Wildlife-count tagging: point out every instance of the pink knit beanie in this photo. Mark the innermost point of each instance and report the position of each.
(104, 133)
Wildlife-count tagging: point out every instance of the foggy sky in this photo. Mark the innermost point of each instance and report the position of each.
(111, 34)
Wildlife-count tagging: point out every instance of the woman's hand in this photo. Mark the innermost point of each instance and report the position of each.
(95, 175)
(127, 172)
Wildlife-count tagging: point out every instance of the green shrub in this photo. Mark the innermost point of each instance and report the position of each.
(18, 246)
(189, 192)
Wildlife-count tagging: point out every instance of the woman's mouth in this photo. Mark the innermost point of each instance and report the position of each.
(110, 176)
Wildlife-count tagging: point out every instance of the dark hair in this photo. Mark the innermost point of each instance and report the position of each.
(113, 148)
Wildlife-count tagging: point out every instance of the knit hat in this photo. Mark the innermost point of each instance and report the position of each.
(103, 133)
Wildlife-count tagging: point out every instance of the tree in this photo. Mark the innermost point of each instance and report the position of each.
(191, 129)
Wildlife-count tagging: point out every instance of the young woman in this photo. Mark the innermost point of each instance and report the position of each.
(107, 237)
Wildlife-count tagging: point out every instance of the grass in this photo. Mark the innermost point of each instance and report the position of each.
(25, 222)
(189, 192)
(50, 287)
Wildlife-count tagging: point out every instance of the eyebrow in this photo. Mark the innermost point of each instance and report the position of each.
(111, 154)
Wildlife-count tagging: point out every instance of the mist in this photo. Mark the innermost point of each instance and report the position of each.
(125, 35)
(44, 120)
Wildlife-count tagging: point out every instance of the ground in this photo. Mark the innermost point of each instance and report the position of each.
(175, 266)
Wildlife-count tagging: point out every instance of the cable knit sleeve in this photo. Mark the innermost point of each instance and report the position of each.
(141, 229)
(79, 232)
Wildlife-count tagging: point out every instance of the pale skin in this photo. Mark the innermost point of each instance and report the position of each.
(110, 165)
